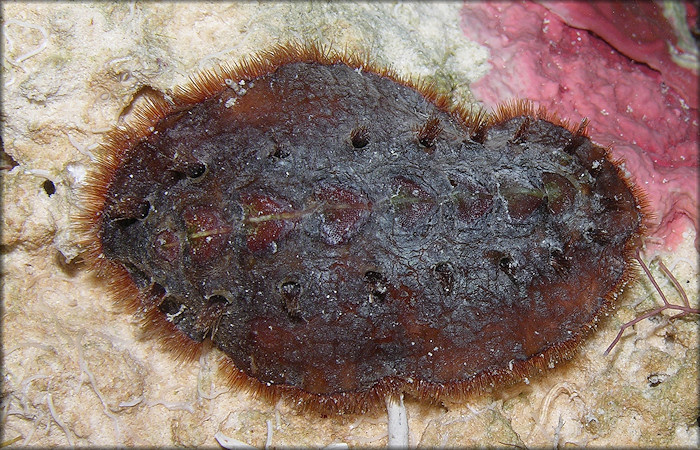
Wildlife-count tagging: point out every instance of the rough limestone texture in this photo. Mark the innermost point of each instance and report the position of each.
(77, 370)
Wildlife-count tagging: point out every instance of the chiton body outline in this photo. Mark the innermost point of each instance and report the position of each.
(265, 220)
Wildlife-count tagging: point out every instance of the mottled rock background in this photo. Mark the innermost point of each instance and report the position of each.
(77, 370)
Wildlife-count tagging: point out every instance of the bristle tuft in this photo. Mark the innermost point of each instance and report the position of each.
(526, 108)
(429, 132)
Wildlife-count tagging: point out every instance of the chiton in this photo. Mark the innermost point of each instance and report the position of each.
(342, 233)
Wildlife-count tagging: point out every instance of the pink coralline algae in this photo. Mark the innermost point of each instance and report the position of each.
(649, 117)
(640, 31)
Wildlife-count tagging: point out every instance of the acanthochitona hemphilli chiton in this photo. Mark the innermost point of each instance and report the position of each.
(341, 233)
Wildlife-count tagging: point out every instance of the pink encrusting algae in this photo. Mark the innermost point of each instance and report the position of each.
(646, 32)
(632, 107)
